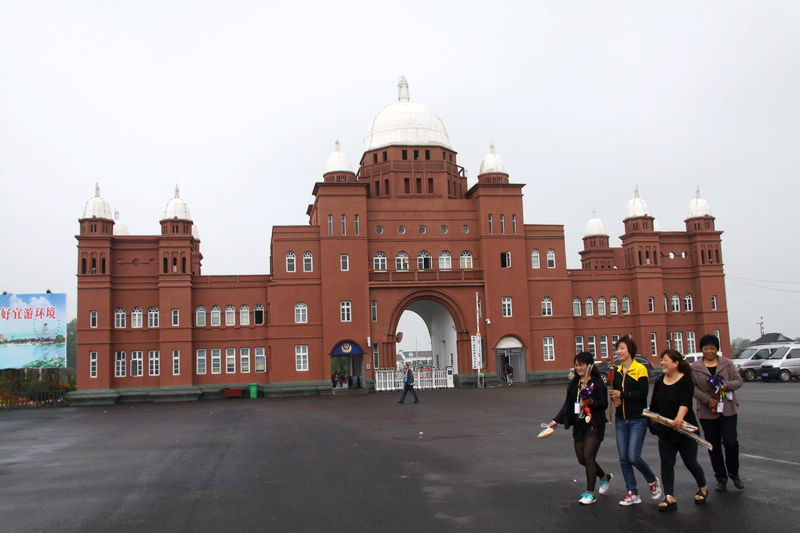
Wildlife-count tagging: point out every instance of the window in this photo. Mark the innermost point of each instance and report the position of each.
(589, 307)
(119, 364)
(445, 261)
(373, 310)
(547, 306)
(535, 259)
(244, 360)
(154, 362)
(604, 346)
(590, 341)
(176, 362)
(666, 307)
(290, 262)
(92, 364)
(669, 341)
(345, 311)
(216, 361)
(465, 260)
(136, 364)
(301, 357)
(548, 347)
(578, 343)
(612, 305)
(201, 361)
(230, 360)
(551, 259)
(300, 313)
(230, 315)
(152, 317)
(376, 358)
(626, 305)
(506, 306)
(653, 344)
(424, 261)
(215, 316)
(716, 334)
(330, 224)
(513, 223)
(200, 316)
(691, 346)
(601, 306)
(261, 360)
(502, 223)
(344, 224)
(614, 339)
(677, 337)
(308, 262)
(676, 303)
(258, 314)
(92, 319)
(505, 259)
(713, 303)
(176, 317)
(344, 262)
(651, 304)
(379, 230)
(401, 261)
(379, 261)
(119, 317)
(244, 315)
(688, 305)
(576, 307)
(357, 221)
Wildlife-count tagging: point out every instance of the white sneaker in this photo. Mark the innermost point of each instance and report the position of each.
(630, 499)
(604, 483)
(655, 489)
(587, 498)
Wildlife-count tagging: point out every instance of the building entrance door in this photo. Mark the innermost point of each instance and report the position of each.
(510, 351)
(347, 366)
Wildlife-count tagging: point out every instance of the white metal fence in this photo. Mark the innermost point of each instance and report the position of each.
(424, 378)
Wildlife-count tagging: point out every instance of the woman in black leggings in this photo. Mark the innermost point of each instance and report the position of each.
(584, 410)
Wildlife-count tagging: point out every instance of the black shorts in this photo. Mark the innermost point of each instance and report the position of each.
(581, 430)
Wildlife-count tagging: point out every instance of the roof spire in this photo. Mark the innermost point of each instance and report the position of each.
(594, 213)
(636, 192)
(116, 214)
(338, 147)
(177, 191)
(491, 148)
(697, 192)
(402, 90)
(97, 190)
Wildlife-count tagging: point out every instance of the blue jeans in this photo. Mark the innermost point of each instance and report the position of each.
(630, 437)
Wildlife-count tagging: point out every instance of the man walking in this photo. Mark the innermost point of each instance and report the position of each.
(408, 384)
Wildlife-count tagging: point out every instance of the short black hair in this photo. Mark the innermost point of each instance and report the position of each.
(709, 339)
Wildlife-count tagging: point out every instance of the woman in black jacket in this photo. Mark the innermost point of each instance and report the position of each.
(584, 409)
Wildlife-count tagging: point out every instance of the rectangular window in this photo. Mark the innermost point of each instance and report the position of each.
(244, 315)
(549, 349)
(344, 224)
(651, 304)
(216, 361)
(590, 341)
(416, 155)
(376, 360)
(344, 262)
(92, 364)
(119, 318)
(373, 310)
(137, 359)
(716, 333)
(713, 303)
(200, 317)
(154, 362)
(691, 346)
(261, 360)
(653, 343)
(175, 317)
(578, 343)
(244, 360)
(430, 185)
(357, 220)
(92, 319)
(301, 357)
(230, 360)
(230, 316)
(201, 361)
(604, 346)
(345, 311)
(502, 223)
(505, 259)
(258, 315)
(513, 223)
(407, 185)
(506, 306)
(669, 341)
(491, 224)
(176, 362)
(330, 224)
(119, 364)
(614, 339)
(677, 338)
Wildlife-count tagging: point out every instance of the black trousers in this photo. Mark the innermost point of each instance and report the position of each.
(668, 448)
(722, 433)
(406, 389)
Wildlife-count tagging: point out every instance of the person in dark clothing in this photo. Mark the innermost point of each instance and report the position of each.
(584, 410)
(509, 372)
(672, 397)
(408, 384)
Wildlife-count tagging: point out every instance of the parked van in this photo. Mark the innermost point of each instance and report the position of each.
(783, 364)
(750, 360)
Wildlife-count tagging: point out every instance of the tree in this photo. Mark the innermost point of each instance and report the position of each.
(738, 344)
(72, 342)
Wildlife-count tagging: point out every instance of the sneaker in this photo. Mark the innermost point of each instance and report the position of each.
(604, 483)
(630, 499)
(737, 482)
(655, 489)
(587, 498)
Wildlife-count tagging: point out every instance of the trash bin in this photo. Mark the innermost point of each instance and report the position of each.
(253, 391)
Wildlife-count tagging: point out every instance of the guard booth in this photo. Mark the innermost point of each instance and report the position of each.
(348, 357)
(510, 350)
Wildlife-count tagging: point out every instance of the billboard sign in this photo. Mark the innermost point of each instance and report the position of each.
(33, 330)
(477, 352)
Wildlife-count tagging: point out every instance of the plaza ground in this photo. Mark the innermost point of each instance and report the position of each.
(462, 459)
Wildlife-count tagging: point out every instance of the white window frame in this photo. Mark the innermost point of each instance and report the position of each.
(215, 315)
(465, 260)
(591, 345)
(301, 357)
(92, 319)
(445, 260)
(216, 360)
(677, 339)
(506, 307)
(713, 303)
(200, 316)
(588, 307)
(613, 307)
(576, 306)
(300, 313)
(502, 224)
(373, 310)
(344, 262)
(119, 318)
(676, 303)
(260, 359)
(137, 363)
(244, 315)
(601, 306)
(651, 305)
(230, 315)
(230, 360)
(513, 223)
(176, 362)
(244, 360)
(535, 259)
(491, 224)
(259, 309)
(424, 261)
(379, 261)
(356, 225)
(136, 317)
(505, 259)
(344, 224)
(626, 305)
(120, 364)
(669, 340)
(308, 262)
(345, 311)
(551, 258)
(202, 362)
(92, 364)
(688, 302)
(153, 363)
(330, 224)
(153, 317)
(401, 261)
(376, 358)
(691, 343)
(603, 346)
(549, 348)
(291, 262)
(653, 343)
(547, 306)
(578, 343)
(176, 317)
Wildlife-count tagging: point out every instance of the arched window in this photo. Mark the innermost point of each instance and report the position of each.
(601, 306)
(713, 303)
(200, 316)
(466, 259)
(401, 261)
(576, 307)
(119, 318)
(547, 306)
(290, 262)
(300, 313)
(258, 315)
(589, 306)
(688, 305)
(626, 305)
(424, 261)
(612, 305)
(379, 261)
(152, 317)
(445, 260)
(535, 259)
(308, 262)
(244, 315)
(551, 258)
(676, 303)
(215, 315)
(666, 303)
(230, 315)
(136, 317)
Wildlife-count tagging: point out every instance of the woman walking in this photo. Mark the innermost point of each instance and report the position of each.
(672, 398)
(715, 379)
(584, 410)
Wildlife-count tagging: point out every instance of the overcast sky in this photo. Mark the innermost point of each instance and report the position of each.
(240, 103)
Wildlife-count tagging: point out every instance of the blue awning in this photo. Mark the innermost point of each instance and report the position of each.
(347, 348)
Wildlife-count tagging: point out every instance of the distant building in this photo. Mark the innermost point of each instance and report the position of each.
(415, 358)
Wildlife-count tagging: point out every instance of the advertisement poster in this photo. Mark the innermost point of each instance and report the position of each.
(33, 330)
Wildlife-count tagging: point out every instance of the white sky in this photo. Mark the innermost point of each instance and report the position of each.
(240, 102)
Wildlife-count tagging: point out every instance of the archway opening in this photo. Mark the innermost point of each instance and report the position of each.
(347, 366)
(510, 354)
(428, 337)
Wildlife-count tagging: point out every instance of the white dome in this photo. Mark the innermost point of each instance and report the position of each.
(492, 162)
(405, 123)
(337, 161)
(699, 207)
(656, 225)
(636, 207)
(96, 207)
(120, 228)
(595, 227)
(177, 208)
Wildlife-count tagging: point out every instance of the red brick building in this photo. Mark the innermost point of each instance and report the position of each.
(404, 232)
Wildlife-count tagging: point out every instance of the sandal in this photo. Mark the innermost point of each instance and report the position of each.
(701, 495)
(669, 504)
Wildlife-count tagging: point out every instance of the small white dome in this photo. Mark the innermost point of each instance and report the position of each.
(405, 123)
(595, 227)
(120, 228)
(337, 161)
(636, 207)
(656, 225)
(699, 207)
(177, 208)
(96, 207)
(492, 162)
